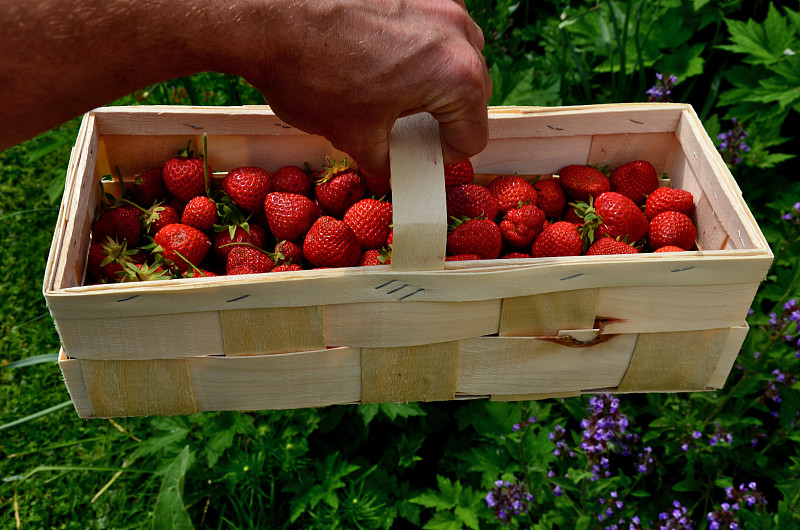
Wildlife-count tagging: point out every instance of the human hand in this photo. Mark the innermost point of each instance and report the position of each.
(347, 69)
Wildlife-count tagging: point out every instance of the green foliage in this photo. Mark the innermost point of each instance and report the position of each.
(431, 465)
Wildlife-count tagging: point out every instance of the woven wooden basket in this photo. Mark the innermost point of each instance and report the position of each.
(419, 329)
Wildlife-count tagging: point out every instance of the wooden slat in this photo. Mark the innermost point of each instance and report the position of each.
(675, 360)
(156, 387)
(418, 195)
(73, 378)
(535, 397)
(547, 314)
(415, 373)
(145, 337)
(283, 381)
(522, 365)
(679, 308)
(272, 330)
(613, 150)
(380, 325)
(730, 351)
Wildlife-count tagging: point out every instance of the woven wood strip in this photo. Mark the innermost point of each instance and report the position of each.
(547, 314)
(416, 373)
(157, 387)
(535, 397)
(272, 330)
(674, 360)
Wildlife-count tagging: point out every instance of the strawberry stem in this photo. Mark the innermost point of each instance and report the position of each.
(205, 163)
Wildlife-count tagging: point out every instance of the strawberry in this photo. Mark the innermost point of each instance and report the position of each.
(247, 186)
(292, 179)
(331, 243)
(184, 176)
(120, 222)
(669, 248)
(287, 267)
(377, 187)
(157, 217)
(195, 272)
(246, 233)
(521, 226)
(666, 199)
(458, 173)
(511, 191)
(200, 213)
(142, 272)
(550, 197)
(614, 215)
(558, 239)
(673, 229)
(581, 182)
(182, 245)
(106, 258)
(288, 252)
(475, 236)
(516, 255)
(371, 221)
(462, 257)
(148, 187)
(247, 259)
(609, 245)
(571, 215)
(374, 257)
(289, 215)
(635, 180)
(338, 187)
(472, 201)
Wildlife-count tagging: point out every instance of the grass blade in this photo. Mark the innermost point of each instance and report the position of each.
(36, 359)
(36, 415)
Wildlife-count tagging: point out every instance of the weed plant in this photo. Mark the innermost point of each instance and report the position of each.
(725, 459)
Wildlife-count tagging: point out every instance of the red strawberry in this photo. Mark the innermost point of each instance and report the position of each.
(200, 213)
(511, 191)
(521, 226)
(673, 229)
(120, 223)
(331, 243)
(472, 201)
(516, 255)
(374, 257)
(148, 187)
(288, 252)
(246, 259)
(635, 180)
(581, 182)
(457, 174)
(142, 272)
(550, 197)
(571, 215)
(158, 216)
(287, 267)
(558, 239)
(377, 187)
(292, 179)
(616, 216)
(195, 272)
(184, 177)
(609, 245)
(338, 187)
(475, 236)
(248, 233)
(669, 248)
(289, 215)
(462, 257)
(666, 199)
(371, 221)
(106, 259)
(183, 245)
(247, 186)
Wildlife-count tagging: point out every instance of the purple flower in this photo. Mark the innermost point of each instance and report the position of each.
(661, 91)
(508, 499)
(675, 519)
(606, 424)
(732, 144)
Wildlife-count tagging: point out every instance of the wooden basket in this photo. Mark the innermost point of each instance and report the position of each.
(420, 329)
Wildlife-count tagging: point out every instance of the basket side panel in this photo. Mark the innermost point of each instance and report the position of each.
(729, 354)
(272, 330)
(547, 314)
(73, 378)
(282, 381)
(415, 373)
(613, 150)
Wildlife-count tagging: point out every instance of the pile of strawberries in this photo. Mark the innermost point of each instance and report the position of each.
(177, 221)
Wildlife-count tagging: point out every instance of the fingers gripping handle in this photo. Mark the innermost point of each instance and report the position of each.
(418, 195)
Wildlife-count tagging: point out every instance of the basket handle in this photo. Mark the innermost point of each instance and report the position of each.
(418, 196)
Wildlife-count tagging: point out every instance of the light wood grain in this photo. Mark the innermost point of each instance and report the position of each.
(73, 377)
(547, 314)
(272, 330)
(730, 351)
(415, 373)
(418, 198)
